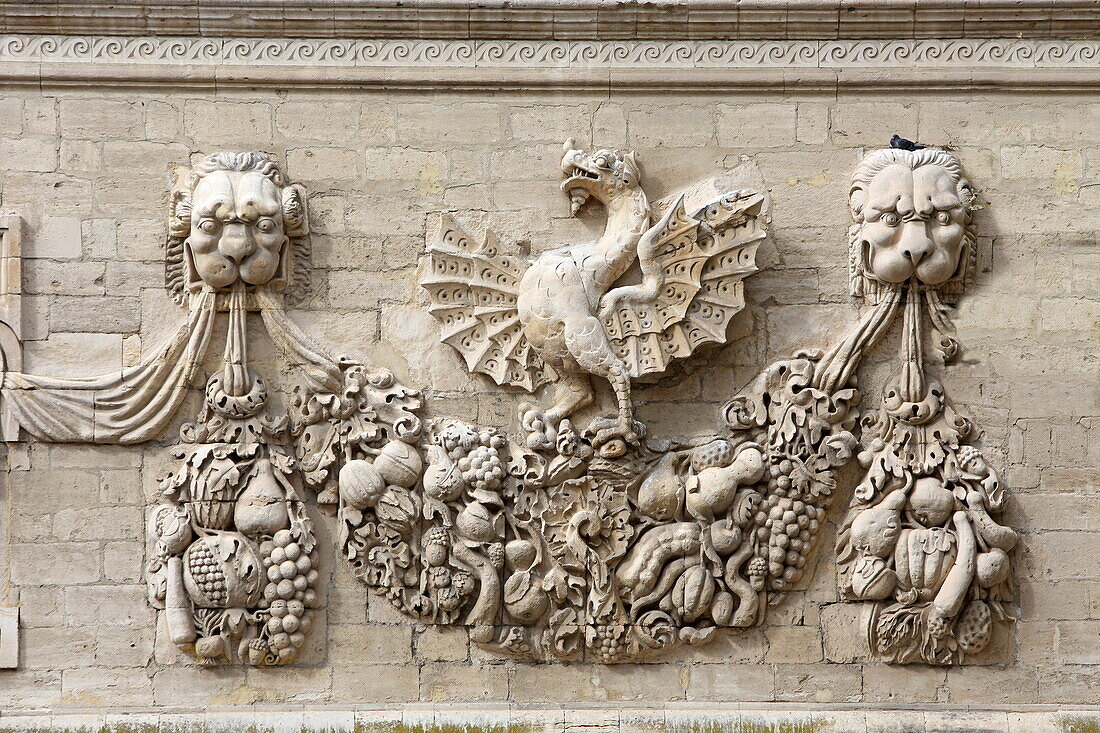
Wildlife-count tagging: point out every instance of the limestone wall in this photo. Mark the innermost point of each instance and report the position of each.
(87, 170)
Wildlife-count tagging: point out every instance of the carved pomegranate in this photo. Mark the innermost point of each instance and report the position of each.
(399, 464)
(476, 522)
(524, 597)
(223, 570)
(171, 527)
(872, 579)
(361, 484)
(992, 567)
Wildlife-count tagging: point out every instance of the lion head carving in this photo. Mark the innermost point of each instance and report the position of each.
(912, 213)
(234, 218)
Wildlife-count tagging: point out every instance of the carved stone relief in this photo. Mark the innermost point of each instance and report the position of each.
(603, 543)
(231, 551)
(564, 318)
(567, 541)
(919, 540)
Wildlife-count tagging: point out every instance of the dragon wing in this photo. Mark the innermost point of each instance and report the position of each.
(473, 291)
(703, 258)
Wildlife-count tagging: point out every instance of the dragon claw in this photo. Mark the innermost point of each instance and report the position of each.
(611, 435)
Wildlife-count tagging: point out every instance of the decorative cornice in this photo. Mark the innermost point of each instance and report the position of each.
(554, 19)
(556, 54)
(701, 65)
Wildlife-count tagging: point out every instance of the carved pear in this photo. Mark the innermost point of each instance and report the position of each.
(261, 507)
(662, 492)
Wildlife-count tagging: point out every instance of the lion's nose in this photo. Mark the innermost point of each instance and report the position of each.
(915, 243)
(237, 241)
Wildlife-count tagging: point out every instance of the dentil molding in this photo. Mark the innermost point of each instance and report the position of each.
(573, 65)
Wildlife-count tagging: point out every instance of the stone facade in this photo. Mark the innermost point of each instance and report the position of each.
(85, 164)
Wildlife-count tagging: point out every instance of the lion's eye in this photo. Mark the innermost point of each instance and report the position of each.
(267, 226)
(943, 217)
(208, 226)
(890, 219)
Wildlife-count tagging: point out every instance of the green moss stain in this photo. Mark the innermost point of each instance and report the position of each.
(747, 725)
(395, 727)
(1079, 723)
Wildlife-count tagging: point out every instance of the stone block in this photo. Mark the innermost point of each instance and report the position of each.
(223, 125)
(329, 121)
(793, 644)
(821, 683)
(440, 683)
(317, 164)
(549, 123)
(871, 124)
(58, 238)
(732, 683)
(441, 644)
(460, 124)
(376, 643)
(747, 126)
(99, 119)
(368, 683)
(55, 564)
(29, 154)
(94, 314)
(669, 126)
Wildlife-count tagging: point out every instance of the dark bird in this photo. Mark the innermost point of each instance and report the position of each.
(900, 143)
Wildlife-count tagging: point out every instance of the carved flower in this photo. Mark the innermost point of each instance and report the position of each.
(582, 519)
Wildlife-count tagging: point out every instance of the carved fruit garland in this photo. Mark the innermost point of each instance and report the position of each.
(234, 555)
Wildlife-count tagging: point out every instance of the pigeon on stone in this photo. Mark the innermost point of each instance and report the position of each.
(899, 143)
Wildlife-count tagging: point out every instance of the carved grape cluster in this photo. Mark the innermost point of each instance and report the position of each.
(787, 528)
(482, 469)
(289, 592)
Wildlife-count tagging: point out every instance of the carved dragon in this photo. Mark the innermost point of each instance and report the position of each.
(568, 316)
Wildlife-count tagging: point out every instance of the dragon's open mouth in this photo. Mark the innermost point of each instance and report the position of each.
(575, 171)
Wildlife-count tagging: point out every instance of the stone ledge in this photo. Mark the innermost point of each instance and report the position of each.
(593, 719)
(552, 19)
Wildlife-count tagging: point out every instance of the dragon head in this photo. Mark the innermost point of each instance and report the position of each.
(602, 175)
